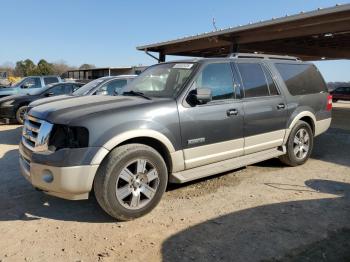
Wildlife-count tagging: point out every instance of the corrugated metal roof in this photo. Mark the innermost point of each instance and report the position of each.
(302, 15)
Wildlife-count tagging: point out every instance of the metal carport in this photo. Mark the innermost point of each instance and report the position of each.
(316, 35)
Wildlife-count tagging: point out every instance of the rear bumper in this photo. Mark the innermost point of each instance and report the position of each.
(73, 183)
(322, 126)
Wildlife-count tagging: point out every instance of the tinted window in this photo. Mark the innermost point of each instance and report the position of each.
(75, 87)
(301, 79)
(272, 86)
(254, 80)
(50, 80)
(218, 78)
(58, 90)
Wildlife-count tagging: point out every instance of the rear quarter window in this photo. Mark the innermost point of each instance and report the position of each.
(301, 79)
(50, 80)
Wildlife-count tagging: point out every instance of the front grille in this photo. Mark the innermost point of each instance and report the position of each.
(36, 133)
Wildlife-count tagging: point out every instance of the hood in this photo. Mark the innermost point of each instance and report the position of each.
(8, 90)
(49, 100)
(64, 111)
(13, 97)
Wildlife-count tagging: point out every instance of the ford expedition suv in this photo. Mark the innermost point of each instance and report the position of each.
(177, 122)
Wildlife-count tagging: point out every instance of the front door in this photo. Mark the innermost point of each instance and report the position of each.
(214, 131)
(265, 113)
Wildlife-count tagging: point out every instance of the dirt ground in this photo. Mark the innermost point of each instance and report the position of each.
(265, 212)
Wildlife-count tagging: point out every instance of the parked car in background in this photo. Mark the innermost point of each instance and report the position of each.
(341, 93)
(15, 107)
(29, 85)
(176, 122)
(109, 85)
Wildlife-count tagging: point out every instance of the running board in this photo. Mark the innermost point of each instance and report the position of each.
(224, 166)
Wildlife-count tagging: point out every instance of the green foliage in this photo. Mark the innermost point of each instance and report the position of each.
(87, 66)
(44, 68)
(28, 68)
(24, 68)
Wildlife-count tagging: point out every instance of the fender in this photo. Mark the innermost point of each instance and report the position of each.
(117, 140)
(295, 120)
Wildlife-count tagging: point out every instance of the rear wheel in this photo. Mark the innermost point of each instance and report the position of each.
(299, 145)
(20, 114)
(131, 181)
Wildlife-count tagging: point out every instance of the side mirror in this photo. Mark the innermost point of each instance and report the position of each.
(49, 94)
(116, 91)
(203, 95)
(25, 85)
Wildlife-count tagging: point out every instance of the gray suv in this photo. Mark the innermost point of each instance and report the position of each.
(177, 122)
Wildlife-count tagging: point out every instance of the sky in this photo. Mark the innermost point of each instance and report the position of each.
(106, 32)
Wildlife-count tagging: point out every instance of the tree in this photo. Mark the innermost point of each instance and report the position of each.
(87, 66)
(24, 68)
(43, 68)
(60, 67)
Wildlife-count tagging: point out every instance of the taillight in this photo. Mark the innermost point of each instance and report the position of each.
(329, 103)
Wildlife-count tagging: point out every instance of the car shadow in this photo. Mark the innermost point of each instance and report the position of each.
(10, 136)
(307, 230)
(20, 201)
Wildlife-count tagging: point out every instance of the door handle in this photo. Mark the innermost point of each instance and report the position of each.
(281, 106)
(232, 112)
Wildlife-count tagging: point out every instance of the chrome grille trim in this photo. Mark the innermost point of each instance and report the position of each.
(36, 133)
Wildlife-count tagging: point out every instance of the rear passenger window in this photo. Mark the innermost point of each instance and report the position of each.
(50, 80)
(254, 80)
(301, 79)
(217, 77)
(272, 86)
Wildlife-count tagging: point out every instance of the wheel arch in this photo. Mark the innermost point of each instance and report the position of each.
(150, 138)
(306, 116)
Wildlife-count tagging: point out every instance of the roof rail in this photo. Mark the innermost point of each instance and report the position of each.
(263, 56)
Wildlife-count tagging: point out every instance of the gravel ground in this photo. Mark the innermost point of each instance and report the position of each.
(265, 212)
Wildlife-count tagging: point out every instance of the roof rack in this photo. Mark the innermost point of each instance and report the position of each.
(263, 56)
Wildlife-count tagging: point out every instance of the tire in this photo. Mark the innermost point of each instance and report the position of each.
(298, 149)
(125, 185)
(20, 114)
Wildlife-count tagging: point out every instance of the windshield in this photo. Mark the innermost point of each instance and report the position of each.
(163, 80)
(85, 89)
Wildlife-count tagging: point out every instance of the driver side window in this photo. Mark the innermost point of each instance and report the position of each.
(32, 82)
(218, 78)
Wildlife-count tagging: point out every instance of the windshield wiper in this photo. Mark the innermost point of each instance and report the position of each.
(135, 93)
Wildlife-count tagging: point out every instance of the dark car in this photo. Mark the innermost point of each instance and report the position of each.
(107, 86)
(341, 93)
(14, 107)
(176, 122)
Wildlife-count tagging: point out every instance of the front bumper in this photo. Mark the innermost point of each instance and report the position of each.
(7, 112)
(73, 182)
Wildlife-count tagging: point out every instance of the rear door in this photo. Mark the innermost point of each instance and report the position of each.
(264, 108)
(214, 131)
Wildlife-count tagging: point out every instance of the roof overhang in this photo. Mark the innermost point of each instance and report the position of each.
(316, 35)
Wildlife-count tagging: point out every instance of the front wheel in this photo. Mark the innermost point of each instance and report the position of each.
(299, 145)
(20, 114)
(131, 181)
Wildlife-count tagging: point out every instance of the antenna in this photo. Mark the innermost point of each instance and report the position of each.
(214, 24)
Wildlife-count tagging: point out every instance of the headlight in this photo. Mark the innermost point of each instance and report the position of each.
(68, 137)
(8, 103)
